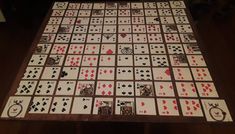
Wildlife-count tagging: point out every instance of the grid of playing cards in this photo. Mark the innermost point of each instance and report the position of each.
(122, 60)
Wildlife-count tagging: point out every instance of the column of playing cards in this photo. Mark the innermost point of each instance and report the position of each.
(123, 59)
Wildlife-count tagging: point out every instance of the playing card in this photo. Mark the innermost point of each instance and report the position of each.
(181, 20)
(191, 107)
(108, 49)
(151, 28)
(164, 89)
(111, 5)
(124, 12)
(65, 88)
(95, 28)
(107, 60)
(51, 73)
(59, 48)
(57, 13)
(154, 38)
(206, 89)
(60, 5)
(98, 5)
(16, 107)
(163, 5)
(141, 49)
(26, 87)
(92, 49)
(55, 60)
(124, 88)
(85, 88)
(93, 38)
(74, 6)
(84, 20)
(87, 73)
(68, 20)
(178, 60)
(144, 88)
(84, 13)
(157, 49)
(76, 49)
(164, 12)
(142, 60)
(138, 28)
(167, 20)
(150, 5)
(186, 89)
(169, 28)
(161, 73)
(145, 106)
(86, 6)
(103, 106)
(184, 28)
(201, 74)
(175, 49)
(45, 87)
(172, 38)
(139, 38)
(110, 20)
(110, 12)
(71, 13)
(188, 38)
(80, 29)
(138, 20)
(125, 106)
(182, 74)
(124, 5)
(152, 20)
(62, 38)
(124, 28)
(89, 60)
(124, 60)
(178, 12)
(108, 38)
(124, 20)
(136, 5)
(191, 49)
(61, 105)
(65, 29)
(82, 105)
(124, 73)
(37, 60)
(54, 20)
(78, 38)
(152, 12)
(40, 105)
(143, 73)
(124, 38)
(47, 38)
(106, 73)
(159, 60)
(42, 49)
(109, 29)
(216, 110)
(177, 4)
(32, 73)
(196, 60)
(125, 49)
(73, 60)
(51, 28)
(137, 12)
(167, 107)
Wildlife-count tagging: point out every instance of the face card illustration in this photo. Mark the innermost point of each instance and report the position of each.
(125, 106)
(65, 88)
(87, 73)
(78, 38)
(51, 73)
(59, 48)
(47, 38)
(167, 107)
(191, 49)
(124, 5)
(216, 110)
(61, 105)
(139, 38)
(105, 88)
(37, 60)
(157, 49)
(164, 89)
(51, 29)
(111, 5)
(144, 88)
(137, 12)
(92, 49)
(40, 105)
(175, 49)
(182, 74)
(82, 105)
(201, 74)
(196, 60)
(155, 38)
(45, 88)
(106, 73)
(89, 60)
(160, 60)
(124, 88)
(16, 107)
(98, 13)
(141, 49)
(108, 49)
(73, 60)
(161, 73)
(85, 88)
(55, 60)
(206, 89)
(42, 49)
(186, 89)
(125, 49)
(32, 73)
(143, 73)
(142, 60)
(191, 107)
(124, 73)
(188, 38)
(172, 38)
(178, 60)
(65, 29)
(76, 49)
(26, 87)
(145, 106)
(153, 28)
(103, 106)
(124, 60)
(83, 20)
(169, 28)
(107, 60)
(124, 38)
(68, 20)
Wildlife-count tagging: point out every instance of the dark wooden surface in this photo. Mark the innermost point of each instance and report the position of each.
(218, 37)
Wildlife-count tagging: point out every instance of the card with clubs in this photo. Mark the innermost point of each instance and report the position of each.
(51, 73)
(32, 73)
(107, 60)
(159, 60)
(65, 88)
(26, 87)
(61, 105)
(157, 48)
(82, 105)
(40, 105)
(45, 87)
(37, 60)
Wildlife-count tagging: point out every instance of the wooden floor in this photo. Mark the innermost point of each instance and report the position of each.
(218, 37)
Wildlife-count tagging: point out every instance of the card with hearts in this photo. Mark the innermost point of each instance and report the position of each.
(125, 106)
(124, 73)
(40, 105)
(186, 89)
(61, 105)
(107, 60)
(76, 49)
(162, 73)
(181, 74)
(145, 106)
(92, 49)
(172, 38)
(82, 105)
(87, 73)
(144, 88)
(191, 107)
(106, 73)
(165, 89)
(167, 107)
(108, 49)
(45, 87)
(103, 106)
(85, 88)
(196, 60)
(124, 88)
(206, 89)
(201, 74)
(65, 88)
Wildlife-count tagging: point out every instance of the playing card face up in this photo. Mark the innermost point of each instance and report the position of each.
(116, 61)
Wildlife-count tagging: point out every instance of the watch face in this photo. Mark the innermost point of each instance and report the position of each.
(14, 110)
(217, 114)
